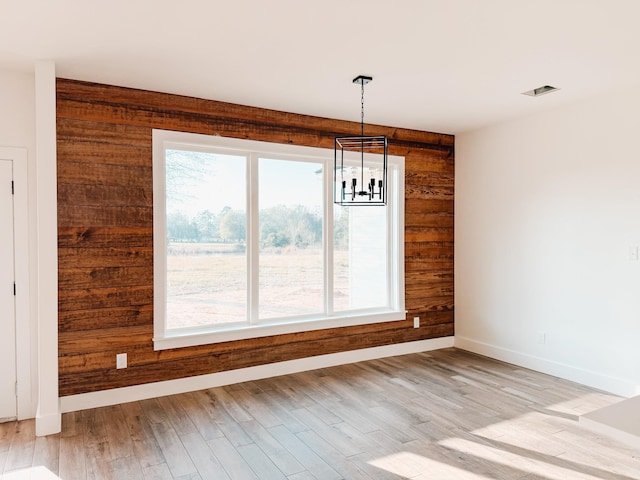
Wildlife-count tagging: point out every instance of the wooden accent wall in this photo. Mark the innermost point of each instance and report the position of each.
(105, 247)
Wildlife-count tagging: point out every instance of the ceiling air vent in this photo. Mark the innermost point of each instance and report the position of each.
(536, 92)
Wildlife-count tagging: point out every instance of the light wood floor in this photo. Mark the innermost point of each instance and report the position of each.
(439, 415)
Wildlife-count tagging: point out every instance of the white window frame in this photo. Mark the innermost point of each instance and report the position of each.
(176, 338)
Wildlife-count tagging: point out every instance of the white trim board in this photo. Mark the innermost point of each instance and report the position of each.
(134, 393)
(617, 386)
(48, 418)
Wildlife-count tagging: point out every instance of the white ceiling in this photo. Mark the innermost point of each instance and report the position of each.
(438, 65)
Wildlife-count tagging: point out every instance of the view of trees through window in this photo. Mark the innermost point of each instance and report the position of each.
(281, 226)
(291, 268)
(206, 238)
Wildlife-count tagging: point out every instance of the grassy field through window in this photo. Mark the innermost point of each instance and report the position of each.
(207, 282)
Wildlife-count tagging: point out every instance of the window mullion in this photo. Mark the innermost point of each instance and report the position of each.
(327, 240)
(253, 246)
(392, 229)
(160, 238)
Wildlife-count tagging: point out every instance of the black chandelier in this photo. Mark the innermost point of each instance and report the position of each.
(360, 164)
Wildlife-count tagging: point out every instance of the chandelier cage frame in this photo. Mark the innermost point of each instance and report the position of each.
(360, 164)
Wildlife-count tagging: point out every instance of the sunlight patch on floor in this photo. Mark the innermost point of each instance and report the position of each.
(409, 465)
(527, 426)
(33, 473)
(584, 403)
(509, 460)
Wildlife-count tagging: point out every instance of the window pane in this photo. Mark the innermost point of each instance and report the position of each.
(360, 257)
(206, 238)
(291, 259)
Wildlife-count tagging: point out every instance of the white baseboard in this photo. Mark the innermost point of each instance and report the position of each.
(617, 386)
(115, 396)
(48, 424)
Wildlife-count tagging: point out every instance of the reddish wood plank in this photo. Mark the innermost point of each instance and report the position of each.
(95, 318)
(104, 297)
(71, 132)
(105, 216)
(104, 174)
(69, 257)
(427, 234)
(428, 220)
(100, 195)
(104, 277)
(105, 339)
(105, 237)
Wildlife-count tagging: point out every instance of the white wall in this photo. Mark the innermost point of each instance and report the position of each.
(17, 115)
(546, 209)
(17, 129)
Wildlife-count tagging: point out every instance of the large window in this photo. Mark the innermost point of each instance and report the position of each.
(248, 243)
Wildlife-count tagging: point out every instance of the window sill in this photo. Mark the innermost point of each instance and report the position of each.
(192, 338)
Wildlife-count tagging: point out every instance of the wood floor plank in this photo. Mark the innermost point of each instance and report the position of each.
(117, 431)
(143, 441)
(279, 455)
(72, 424)
(225, 400)
(94, 428)
(257, 408)
(273, 400)
(329, 433)
(368, 462)
(47, 453)
(153, 410)
(157, 472)
(207, 464)
(190, 476)
(302, 476)
(394, 424)
(431, 460)
(347, 413)
(7, 430)
(3, 460)
(173, 450)
(176, 414)
(72, 461)
(307, 457)
(97, 457)
(126, 468)
(332, 456)
(260, 462)
(235, 466)
(357, 441)
(253, 387)
(289, 391)
(202, 413)
(218, 405)
(20, 454)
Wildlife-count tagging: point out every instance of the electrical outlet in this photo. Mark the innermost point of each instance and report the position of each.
(542, 338)
(416, 322)
(121, 360)
(633, 253)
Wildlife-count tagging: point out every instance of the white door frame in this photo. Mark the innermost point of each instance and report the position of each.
(24, 324)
